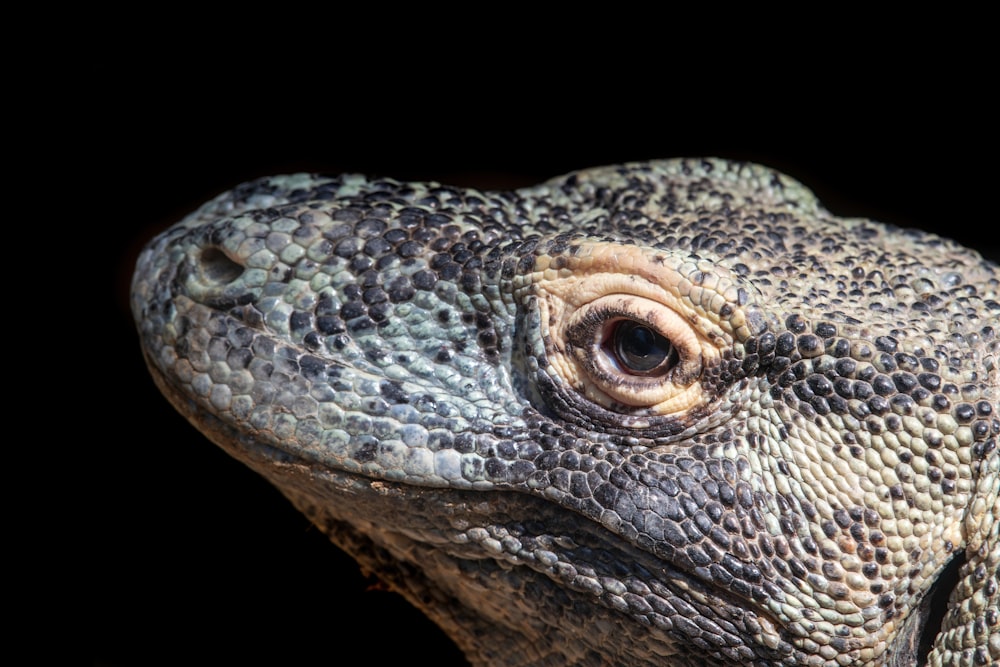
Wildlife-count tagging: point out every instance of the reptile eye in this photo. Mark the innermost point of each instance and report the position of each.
(640, 350)
(633, 352)
(632, 330)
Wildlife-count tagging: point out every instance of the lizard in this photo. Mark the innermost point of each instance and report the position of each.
(661, 413)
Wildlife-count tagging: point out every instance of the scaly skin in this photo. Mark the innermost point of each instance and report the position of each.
(664, 413)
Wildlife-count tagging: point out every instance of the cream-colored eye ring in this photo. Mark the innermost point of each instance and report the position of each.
(581, 296)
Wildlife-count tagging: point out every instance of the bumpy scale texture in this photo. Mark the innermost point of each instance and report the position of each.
(671, 413)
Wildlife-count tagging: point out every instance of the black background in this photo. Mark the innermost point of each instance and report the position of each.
(188, 554)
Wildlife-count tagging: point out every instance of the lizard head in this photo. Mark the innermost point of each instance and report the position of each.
(671, 411)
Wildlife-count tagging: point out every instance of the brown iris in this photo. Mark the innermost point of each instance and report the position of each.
(640, 350)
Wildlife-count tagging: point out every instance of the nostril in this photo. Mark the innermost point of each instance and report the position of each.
(217, 267)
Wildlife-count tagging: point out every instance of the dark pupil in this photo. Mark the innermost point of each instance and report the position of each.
(639, 348)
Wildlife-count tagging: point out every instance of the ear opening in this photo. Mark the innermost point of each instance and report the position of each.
(915, 640)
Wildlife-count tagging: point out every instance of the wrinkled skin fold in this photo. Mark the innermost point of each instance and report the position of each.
(666, 413)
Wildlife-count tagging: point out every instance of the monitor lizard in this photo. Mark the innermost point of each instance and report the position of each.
(668, 413)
